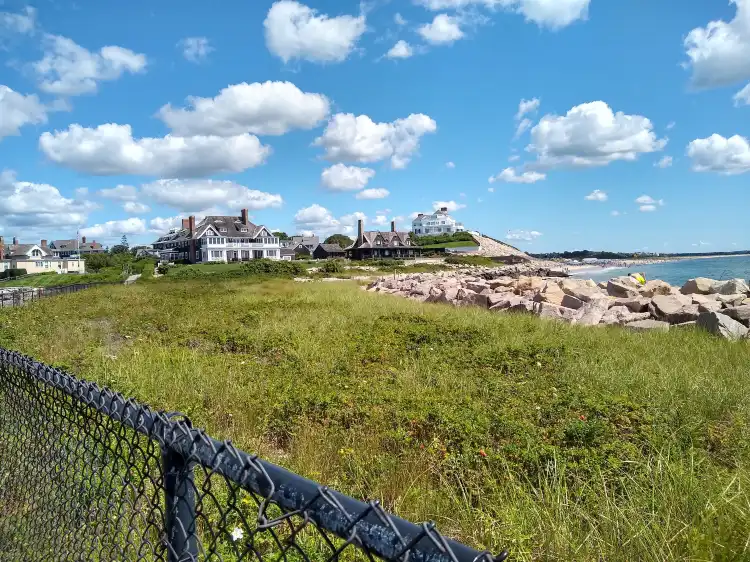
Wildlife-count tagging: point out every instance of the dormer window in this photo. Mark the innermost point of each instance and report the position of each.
(379, 242)
(243, 229)
(222, 230)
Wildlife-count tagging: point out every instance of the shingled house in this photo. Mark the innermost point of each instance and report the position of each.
(376, 244)
(327, 251)
(67, 248)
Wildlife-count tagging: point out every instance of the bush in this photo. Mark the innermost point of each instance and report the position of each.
(469, 260)
(11, 273)
(274, 268)
(163, 269)
(443, 238)
(333, 266)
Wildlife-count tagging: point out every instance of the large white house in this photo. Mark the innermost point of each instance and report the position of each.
(218, 238)
(36, 258)
(439, 222)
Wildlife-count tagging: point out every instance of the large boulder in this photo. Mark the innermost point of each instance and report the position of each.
(656, 287)
(710, 306)
(731, 300)
(449, 296)
(529, 284)
(722, 325)
(503, 301)
(698, 286)
(591, 313)
(623, 315)
(502, 282)
(739, 313)
(622, 287)
(522, 305)
(730, 287)
(674, 309)
(552, 294)
(648, 325)
(569, 301)
(634, 304)
(553, 312)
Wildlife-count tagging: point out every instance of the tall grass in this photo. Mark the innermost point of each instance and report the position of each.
(558, 442)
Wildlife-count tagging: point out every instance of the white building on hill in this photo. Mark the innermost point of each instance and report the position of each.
(439, 222)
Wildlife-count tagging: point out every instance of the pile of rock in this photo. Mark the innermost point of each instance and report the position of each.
(16, 296)
(721, 307)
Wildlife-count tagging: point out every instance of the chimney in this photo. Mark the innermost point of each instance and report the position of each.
(244, 217)
(43, 244)
(2, 248)
(360, 232)
(185, 224)
(192, 257)
(444, 209)
(393, 226)
(191, 224)
(15, 241)
(83, 240)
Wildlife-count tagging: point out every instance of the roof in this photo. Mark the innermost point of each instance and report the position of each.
(331, 248)
(74, 245)
(233, 227)
(287, 251)
(21, 250)
(306, 240)
(391, 239)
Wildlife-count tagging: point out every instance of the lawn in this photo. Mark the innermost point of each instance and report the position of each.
(557, 442)
(57, 280)
(459, 244)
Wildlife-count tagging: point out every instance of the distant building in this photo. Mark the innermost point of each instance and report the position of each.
(327, 251)
(309, 242)
(68, 248)
(36, 258)
(218, 238)
(376, 244)
(439, 222)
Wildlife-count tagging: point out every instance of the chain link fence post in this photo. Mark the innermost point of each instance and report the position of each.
(179, 490)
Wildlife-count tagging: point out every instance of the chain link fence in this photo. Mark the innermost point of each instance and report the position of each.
(87, 474)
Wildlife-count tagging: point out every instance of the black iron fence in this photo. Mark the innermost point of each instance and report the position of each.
(16, 296)
(87, 474)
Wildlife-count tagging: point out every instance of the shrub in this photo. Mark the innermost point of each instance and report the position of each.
(443, 238)
(11, 273)
(469, 260)
(163, 269)
(273, 268)
(332, 266)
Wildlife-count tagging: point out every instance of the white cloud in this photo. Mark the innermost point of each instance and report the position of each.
(648, 204)
(514, 158)
(320, 220)
(120, 193)
(296, 32)
(451, 205)
(135, 208)
(525, 235)
(671, 125)
(443, 29)
(380, 220)
(665, 162)
(341, 177)
(82, 191)
(728, 156)
(401, 50)
(111, 150)
(719, 54)
(553, 14)
(17, 110)
(68, 69)
(742, 97)
(523, 126)
(360, 139)
(160, 225)
(187, 195)
(23, 22)
(527, 106)
(115, 229)
(268, 108)
(450, 165)
(31, 204)
(195, 49)
(491, 189)
(373, 193)
(399, 19)
(509, 175)
(591, 134)
(597, 195)
(615, 213)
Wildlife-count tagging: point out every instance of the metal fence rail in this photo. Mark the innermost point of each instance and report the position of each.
(87, 474)
(17, 296)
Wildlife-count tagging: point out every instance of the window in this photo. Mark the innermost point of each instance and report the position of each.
(36, 253)
(222, 229)
(379, 242)
(271, 253)
(215, 254)
(243, 229)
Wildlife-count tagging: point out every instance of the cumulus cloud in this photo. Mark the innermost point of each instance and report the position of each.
(401, 50)
(648, 204)
(23, 22)
(719, 53)
(67, 69)
(728, 156)
(442, 30)
(320, 220)
(527, 106)
(597, 195)
(135, 208)
(399, 19)
(341, 177)
(552, 14)
(450, 165)
(195, 49)
(380, 220)
(373, 193)
(268, 108)
(664, 162)
(120, 193)
(360, 139)
(115, 229)
(17, 110)
(111, 150)
(523, 126)
(524, 235)
(591, 134)
(30, 204)
(297, 32)
(187, 195)
(742, 97)
(451, 205)
(509, 175)
(615, 213)
(160, 225)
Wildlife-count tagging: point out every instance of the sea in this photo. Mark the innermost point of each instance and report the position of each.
(677, 272)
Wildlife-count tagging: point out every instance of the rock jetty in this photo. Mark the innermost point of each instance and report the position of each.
(720, 307)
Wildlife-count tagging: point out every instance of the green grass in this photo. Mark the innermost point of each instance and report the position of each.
(57, 280)
(557, 442)
(451, 245)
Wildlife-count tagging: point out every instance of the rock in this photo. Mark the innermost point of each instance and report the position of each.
(505, 282)
(602, 285)
(722, 325)
(527, 284)
(731, 287)
(571, 302)
(621, 289)
(591, 313)
(646, 325)
(691, 324)
(449, 296)
(634, 304)
(674, 309)
(710, 306)
(522, 305)
(703, 299)
(698, 286)
(554, 312)
(656, 287)
(623, 315)
(502, 301)
(731, 300)
(739, 313)
(551, 294)
(477, 286)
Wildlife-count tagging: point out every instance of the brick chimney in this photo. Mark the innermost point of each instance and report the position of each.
(393, 226)
(191, 224)
(192, 258)
(83, 239)
(43, 244)
(2, 248)
(360, 232)
(15, 241)
(244, 217)
(185, 224)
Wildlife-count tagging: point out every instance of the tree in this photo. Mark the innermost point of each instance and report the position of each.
(119, 249)
(281, 235)
(341, 239)
(96, 262)
(124, 242)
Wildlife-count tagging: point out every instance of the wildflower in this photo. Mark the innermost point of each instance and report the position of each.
(237, 534)
(482, 453)
(582, 417)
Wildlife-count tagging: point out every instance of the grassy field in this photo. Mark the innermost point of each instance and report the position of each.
(459, 244)
(557, 442)
(55, 280)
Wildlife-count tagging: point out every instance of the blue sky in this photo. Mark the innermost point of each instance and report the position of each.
(555, 124)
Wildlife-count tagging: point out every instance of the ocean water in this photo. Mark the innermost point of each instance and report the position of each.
(677, 272)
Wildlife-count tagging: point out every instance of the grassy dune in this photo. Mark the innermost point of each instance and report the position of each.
(557, 442)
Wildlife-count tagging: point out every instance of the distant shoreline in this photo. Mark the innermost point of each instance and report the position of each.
(623, 264)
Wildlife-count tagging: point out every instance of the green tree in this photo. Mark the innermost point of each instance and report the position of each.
(281, 235)
(96, 262)
(124, 242)
(341, 239)
(118, 249)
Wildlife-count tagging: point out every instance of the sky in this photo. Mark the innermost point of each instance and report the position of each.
(552, 124)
